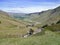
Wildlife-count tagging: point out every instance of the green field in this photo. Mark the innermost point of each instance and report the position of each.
(49, 38)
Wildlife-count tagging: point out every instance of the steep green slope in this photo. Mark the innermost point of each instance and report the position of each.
(11, 26)
(6, 20)
(54, 28)
(45, 17)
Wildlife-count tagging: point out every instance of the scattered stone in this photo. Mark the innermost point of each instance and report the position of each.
(25, 36)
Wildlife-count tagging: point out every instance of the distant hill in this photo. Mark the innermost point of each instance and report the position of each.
(17, 15)
(44, 17)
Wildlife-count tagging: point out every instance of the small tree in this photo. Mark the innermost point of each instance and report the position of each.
(58, 22)
(44, 26)
(0, 22)
(31, 31)
(52, 24)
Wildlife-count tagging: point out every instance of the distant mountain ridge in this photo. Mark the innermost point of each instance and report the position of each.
(45, 17)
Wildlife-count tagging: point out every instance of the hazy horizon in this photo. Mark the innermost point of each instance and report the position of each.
(28, 6)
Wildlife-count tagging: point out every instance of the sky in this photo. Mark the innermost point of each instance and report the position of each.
(28, 6)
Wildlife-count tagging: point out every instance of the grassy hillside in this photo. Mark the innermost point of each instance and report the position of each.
(11, 26)
(49, 38)
(11, 29)
(54, 28)
(44, 17)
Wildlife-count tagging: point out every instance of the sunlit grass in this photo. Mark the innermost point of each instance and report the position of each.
(49, 38)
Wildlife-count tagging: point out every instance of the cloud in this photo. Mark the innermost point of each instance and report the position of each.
(28, 9)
